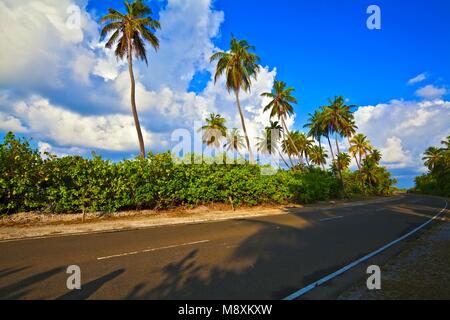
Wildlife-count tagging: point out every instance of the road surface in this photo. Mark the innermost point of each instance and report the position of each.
(256, 258)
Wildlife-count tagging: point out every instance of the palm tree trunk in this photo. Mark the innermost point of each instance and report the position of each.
(133, 102)
(338, 167)
(320, 146)
(307, 160)
(361, 175)
(290, 160)
(359, 168)
(252, 158)
(282, 158)
(331, 148)
(337, 144)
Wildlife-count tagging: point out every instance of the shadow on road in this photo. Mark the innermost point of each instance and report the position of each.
(23, 287)
(91, 287)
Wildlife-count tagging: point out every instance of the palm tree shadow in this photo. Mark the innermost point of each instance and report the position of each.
(21, 288)
(91, 287)
(9, 271)
(263, 260)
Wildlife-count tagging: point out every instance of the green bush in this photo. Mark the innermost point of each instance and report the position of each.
(29, 181)
(437, 180)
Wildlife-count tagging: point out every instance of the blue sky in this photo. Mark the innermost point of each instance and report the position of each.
(322, 48)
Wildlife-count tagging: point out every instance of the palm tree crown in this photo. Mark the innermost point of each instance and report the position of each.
(360, 145)
(239, 64)
(131, 28)
(432, 156)
(214, 130)
(318, 156)
(281, 100)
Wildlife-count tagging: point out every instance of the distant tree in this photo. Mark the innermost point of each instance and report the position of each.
(318, 156)
(214, 130)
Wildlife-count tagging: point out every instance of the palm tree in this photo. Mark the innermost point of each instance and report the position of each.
(446, 143)
(432, 157)
(339, 118)
(359, 145)
(240, 66)
(343, 161)
(130, 31)
(281, 107)
(318, 156)
(369, 171)
(269, 144)
(235, 141)
(304, 145)
(287, 147)
(348, 130)
(376, 156)
(315, 126)
(214, 130)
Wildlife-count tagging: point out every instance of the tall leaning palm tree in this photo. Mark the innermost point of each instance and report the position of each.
(129, 32)
(240, 66)
(360, 146)
(280, 106)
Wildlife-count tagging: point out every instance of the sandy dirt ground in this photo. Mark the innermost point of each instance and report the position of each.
(31, 225)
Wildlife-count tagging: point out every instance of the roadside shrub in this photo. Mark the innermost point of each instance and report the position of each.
(31, 181)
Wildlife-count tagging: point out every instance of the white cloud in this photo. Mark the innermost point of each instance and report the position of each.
(431, 92)
(394, 154)
(10, 123)
(41, 46)
(113, 132)
(419, 78)
(402, 130)
(187, 28)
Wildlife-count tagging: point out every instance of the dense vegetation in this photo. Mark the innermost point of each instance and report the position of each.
(437, 180)
(31, 181)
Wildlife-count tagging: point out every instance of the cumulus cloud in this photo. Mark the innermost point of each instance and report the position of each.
(402, 130)
(431, 92)
(10, 123)
(67, 128)
(419, 78)
(41, 44)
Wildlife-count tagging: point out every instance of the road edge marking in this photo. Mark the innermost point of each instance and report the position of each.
(353, 264)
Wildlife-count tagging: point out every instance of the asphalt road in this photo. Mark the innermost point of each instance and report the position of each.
(261, 258)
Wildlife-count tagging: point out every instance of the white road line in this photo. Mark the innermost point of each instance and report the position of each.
(332, 218)
(327, 278)
(152, 249)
